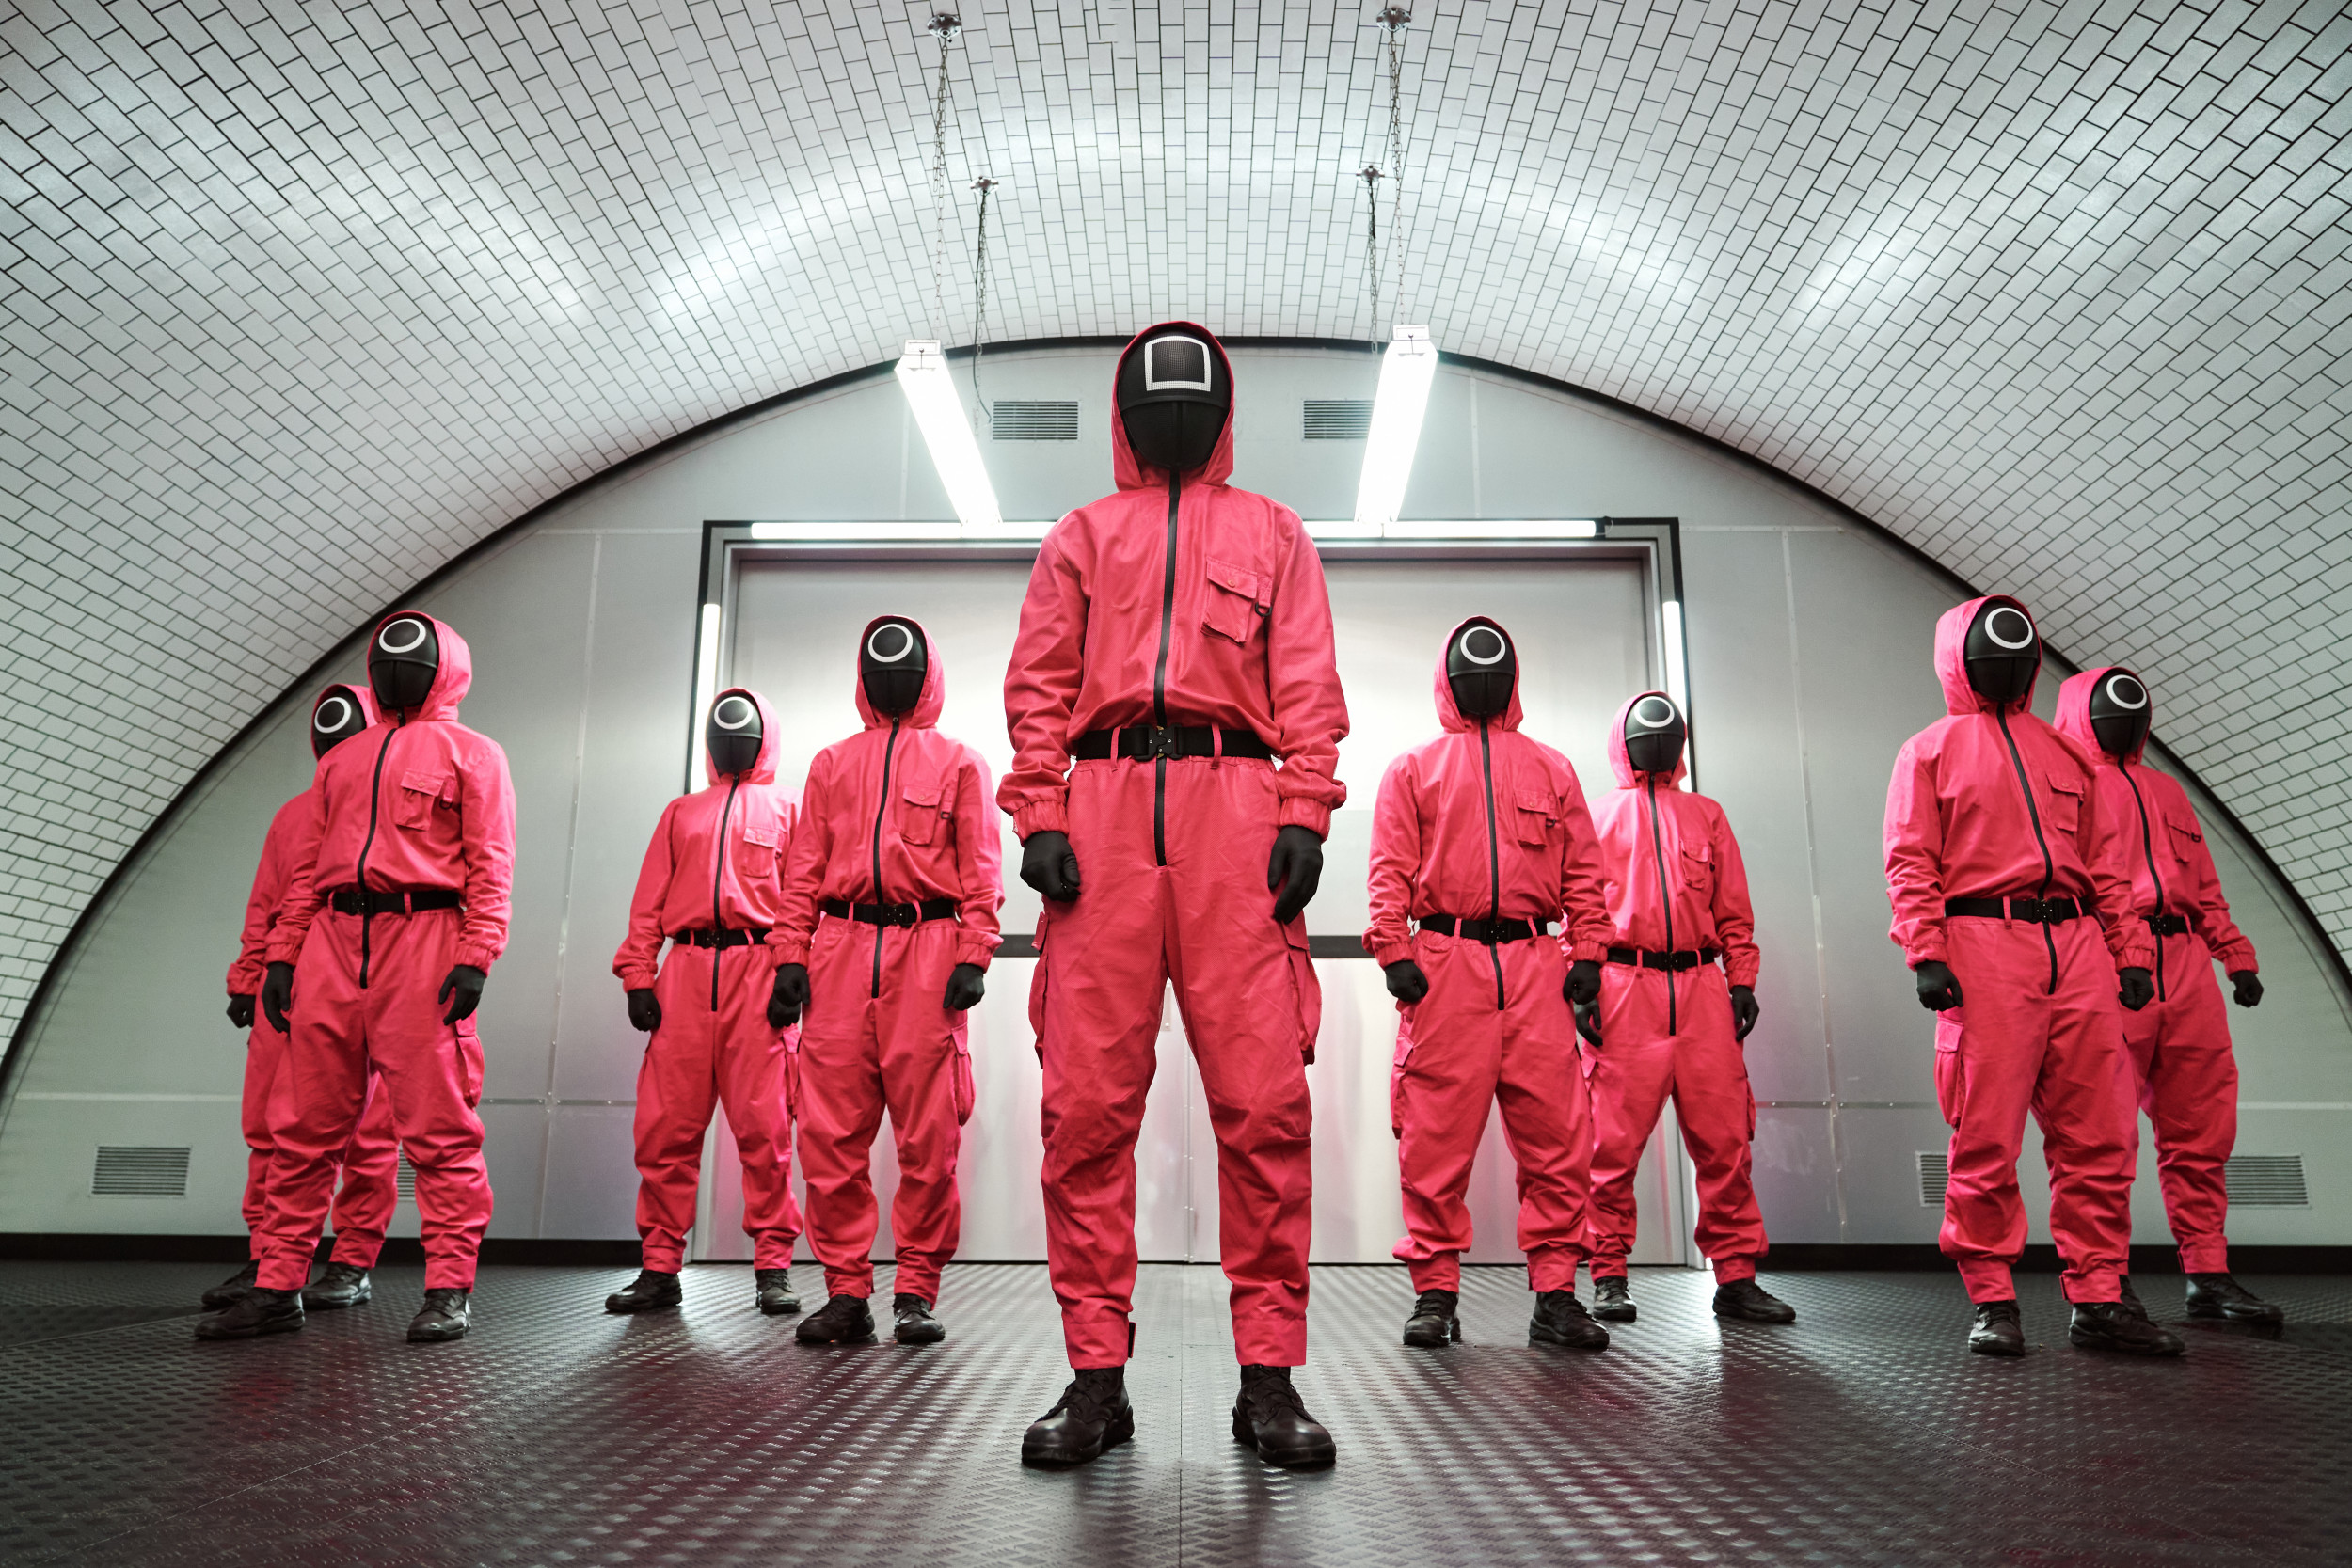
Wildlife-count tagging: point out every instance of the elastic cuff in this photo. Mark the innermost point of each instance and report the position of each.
(1927, 953)
(1588, 952)
(638, 979)
(1747, 979)
(1552, 1268)
(283, 953)
(1395, 952)
(976, 952)
(1300, 812)
(1730, 1270)
(474, 955)
(1096, 1339)
(1441, 1271)
(1262, 1339)
(792, 952)
(2205, 1256)
(1041, 817)
(2239, 961)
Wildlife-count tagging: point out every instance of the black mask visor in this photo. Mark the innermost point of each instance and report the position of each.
(1654, 733)
(891, 665)
(1174, 396)
(1482, 669)
(2003, 652)
(2121, 713)
(334, 719)
(732, 732)
(402, 662)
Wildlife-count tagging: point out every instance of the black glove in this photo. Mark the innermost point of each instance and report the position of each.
(465, 985)
(644, 1011)
(1744, 1012)
(790, 996)
(241, 1010)
(278, 995)
(1582, 986)
(1939, 988)
(966, 984)
(1050, 865)
(2138, 989)
(1407, 983)
(2246, 988)
(1588, 1023)
(1293, 870)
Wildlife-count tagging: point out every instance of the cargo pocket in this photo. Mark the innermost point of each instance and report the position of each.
(470, 1061)
(1951, 1080)
(1305, 987)
(412, 807)
(1236, 601)
(1698, 867)
(966, 1090)
(2188, 844)
(1539, 816)
(756, 851)
(1037, 984)
(1396, 1072)
(2066, 805)
(918, 810)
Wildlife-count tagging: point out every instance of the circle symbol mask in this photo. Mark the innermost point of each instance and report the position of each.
(331, 714)
(1654, 713)
(411, 632)
(2010, 628)
(733, 713)
(874, 643)
(1483, 645)
(2126, 693)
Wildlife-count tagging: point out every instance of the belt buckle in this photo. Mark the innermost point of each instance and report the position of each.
(1682, 960)
(1159, 742)
(2034, 910)
(901, 914)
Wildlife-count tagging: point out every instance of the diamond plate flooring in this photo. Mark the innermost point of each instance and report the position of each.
(558, 1435)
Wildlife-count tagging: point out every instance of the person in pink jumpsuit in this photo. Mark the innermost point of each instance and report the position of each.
(370, 1163)
(1480, 842)
(388, 931)
(2005, 878)
(2181, 1062)
(1677, 1003)
(713, 884)
(1175, 641)
(882, 943)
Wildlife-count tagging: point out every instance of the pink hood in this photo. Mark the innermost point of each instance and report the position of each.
(1450, 715)
(1622, 765)
(770, 738)
(1129, 473)
(1952, 641)
(455, 677)
(934, 698)
(2073, 712)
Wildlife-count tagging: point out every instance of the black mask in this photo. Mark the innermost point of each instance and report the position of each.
(2121, 713)
(1174, 395)
(402, 662)
(1482, 669)
(733, 734)
(2003, 652)
(334, 719)
(891, 665)
(1654, 733)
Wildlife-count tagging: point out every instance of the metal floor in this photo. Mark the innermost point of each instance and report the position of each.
(558, 1435)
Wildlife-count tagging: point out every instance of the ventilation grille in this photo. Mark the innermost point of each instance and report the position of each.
(407, 1179)
(125, 1170)
(1009, 421)
(2267, 1181)
(1935, 1172)
(1337, 419)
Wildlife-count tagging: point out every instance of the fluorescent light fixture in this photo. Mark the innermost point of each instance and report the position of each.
(930, 392)
(1678, 683)
(1489, 529)
(705, 681)
(819, 534)
(1407, 371)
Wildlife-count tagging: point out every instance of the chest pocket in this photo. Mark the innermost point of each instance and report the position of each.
(1698, 867)
(920, 811)
(413, 806)
(2187, 843)
(2066, 803)
(756, 851)
(1235, 602)
(1538, 817)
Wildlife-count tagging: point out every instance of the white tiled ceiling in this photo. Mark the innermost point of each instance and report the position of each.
(303, 299)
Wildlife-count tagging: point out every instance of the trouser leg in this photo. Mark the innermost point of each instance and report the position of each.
(927, 1083)
(2084, 1104)
(433, 1072)
(268, 1099)
(1988, 1058)
(841, 1104)
(2187, 1076)
(1633, 1073)
(326, 1066)
(753, 1070)
(1449, 1057)
(371, 1182)
(1547, 1117)
(1717, 1113)
(677, 1086)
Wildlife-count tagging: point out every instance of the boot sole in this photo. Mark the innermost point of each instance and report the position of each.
(1613, 1314)
(216, 1300)
(335, 1303)
(788, 1308)
(2006, 1348)
(1545, 1336)
(1318, 1458)
(2223, 1314)
(1739, 1317)
(1121, 1429)
(1424, 1340)
(869, 1338)
(921, 1337)
(629, 1309)
(436, 1337)
(275, 1326)
(2081, 1340)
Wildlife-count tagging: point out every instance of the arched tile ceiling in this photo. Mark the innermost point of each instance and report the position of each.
(302, 300)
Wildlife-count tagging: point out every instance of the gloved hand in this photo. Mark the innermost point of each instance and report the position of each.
(1295, 868)
(2246, 988)
(1939, 988)
(1582, 986)
(240, 1011)
(1744, 1012)
(789, 996)
(1588, 1023)
(2137, 989)
(1407, 983)
(1050, 865)
(966, 984)
(278, 995)
(465, 984)
(644, 1011)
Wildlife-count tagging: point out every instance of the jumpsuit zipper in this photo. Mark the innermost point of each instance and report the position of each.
(1159, 677)
(881, 811)
(2148, 851)
(1665, 901)
(718, 869)
(2000, 716)
(376, 792)
(1494, 862)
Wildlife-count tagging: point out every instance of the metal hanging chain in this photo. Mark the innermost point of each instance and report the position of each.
(1370, 174)
(980, 294)
(947, 26)
(1394, 20)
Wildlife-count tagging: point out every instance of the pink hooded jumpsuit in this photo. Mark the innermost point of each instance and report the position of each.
(1677, 885)
(1989, 803)
(2186, 1071)
(896, 815)
(714, 1045)
(1176, 601)
(420, 804)
(371, 1161)
(1484, 823)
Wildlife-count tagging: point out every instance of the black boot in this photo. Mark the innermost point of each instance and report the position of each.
(234, 1288)
(649, 1291)
(447, 1313)
(1613, 1299)
(342, 1285)
(2107, 1326)
(1270, 1418)
(2128, 1299)
(843, 1320)
(1091, 1416)
(774, 1294)
(912, 1322)
(1434, 1325)
(1561, 1319)
(1745, 1301)
(1997, 1330)
(259, 1312)
(2218, 1295)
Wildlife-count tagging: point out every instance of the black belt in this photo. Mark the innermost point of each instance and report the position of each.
(891, 915)
(2169, 924)
(719, 936)
(2037, 911)
(1490, 932)
(1650, 958)
(1143, 742)
(352, 900)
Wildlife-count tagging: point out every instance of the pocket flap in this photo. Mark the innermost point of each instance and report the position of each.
(1703, 853)
(764, 837)
(2187, 832)
(1538, 800)
(2065, 785)
(921, 791)
(1237, 579)
(441, 787)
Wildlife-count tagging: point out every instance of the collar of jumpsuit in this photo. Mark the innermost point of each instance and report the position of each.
(1449, 711)
(924, 714)
(770, 739)
(452, 676)
(1130, 471)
